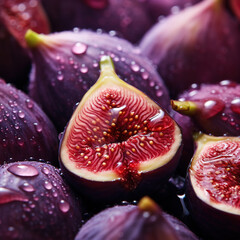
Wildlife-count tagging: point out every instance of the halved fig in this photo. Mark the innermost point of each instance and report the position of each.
(118, 142)
(213, 186)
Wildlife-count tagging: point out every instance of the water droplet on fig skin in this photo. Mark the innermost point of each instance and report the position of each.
(27, 187)
(79, 48)
(38, 127)
(235, 105)
(47, 185)
(23, 170)
(64, 206)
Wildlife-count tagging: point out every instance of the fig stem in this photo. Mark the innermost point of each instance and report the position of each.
(106, 62)
(32, 38)
(147, 204)
(184, 107)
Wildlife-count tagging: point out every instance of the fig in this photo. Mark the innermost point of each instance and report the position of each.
(16, 16)
(130, 18)
(36, 203)
(214, 108)
(186, 52)
(65, 66)
(26, 133)
(118, 142)
(144, 221)
(212, 189)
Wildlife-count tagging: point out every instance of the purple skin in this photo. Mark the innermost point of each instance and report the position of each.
(132, 222)
(35, 203)
(214, 108)
(129, 18)
(63, 72)
(26, 133)
(190, 53)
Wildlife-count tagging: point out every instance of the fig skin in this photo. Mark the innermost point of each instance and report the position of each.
(26, 133)
(213, 222)
(114, 185)
(190, 53)
(214, 108)
(60, 78)
(16, 16)
(129, 18)
(144, 221)
(36, 203)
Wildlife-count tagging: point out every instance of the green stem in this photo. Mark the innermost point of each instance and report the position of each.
(188, 108)
(106, 62)
(147, 204)
(32, 38)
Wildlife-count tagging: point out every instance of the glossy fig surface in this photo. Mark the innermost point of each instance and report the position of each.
(118, 139)
(26, 133)
(213, 186)
(65, 66)
(201, 44)
(36, 203)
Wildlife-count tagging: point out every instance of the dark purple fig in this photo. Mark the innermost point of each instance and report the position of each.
(35, 203)
(201, 44)
(26, 133)
(130, 18)
(118, 142)
(215, 108)
(213, 186)
(146, 221)
(65, 66)
(16, 16)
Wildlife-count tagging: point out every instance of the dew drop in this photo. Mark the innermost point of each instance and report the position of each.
(145, 75)
(45, 170)
(8, 195)
(79, 48)
(48, 185)
(27, 187)
(20, 142)
(64, 206)
(228, 83)
(21, 114)
(135, 67)
(38, 127)
(213, 107)
(23, 170)
(60, 77)
(83, 69)
(235, 105)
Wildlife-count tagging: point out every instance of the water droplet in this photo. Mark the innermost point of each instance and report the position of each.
(228, 83)
(38, 127)
(135, 67)
(45, 170)
(48, 185)
(23, 170)
(9, 195)
(27, 187)
(64, 206)
(83, 69)
(20, 142)
(212, 108)
(60, 77)
(235, 105)
(145, 75)
(79, 48)
(21, 114)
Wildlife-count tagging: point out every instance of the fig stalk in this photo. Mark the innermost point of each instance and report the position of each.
(187, 108)
(32, 38)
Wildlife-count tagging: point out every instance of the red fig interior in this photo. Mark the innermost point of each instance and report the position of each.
(117, 132)
(215, 172)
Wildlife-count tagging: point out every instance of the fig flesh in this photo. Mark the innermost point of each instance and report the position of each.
(146, 221)
(36, 203)
(26, 133)
(118, 141)
(16, 17)
(65, 66)
(214, 108)
(213, 186)
(186, 52)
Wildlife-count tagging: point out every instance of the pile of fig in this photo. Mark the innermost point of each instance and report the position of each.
(120, 119)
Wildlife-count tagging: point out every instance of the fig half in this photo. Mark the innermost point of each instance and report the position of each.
(118, 141)
(213, 186)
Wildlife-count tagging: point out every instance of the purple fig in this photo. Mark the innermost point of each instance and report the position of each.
(118, 142)
(65, 66)
(215, 108)
(146, 221)
(130, 18)
(213, 186)
(35, 203)
(201, 44)
(26, 133)
(16, 17)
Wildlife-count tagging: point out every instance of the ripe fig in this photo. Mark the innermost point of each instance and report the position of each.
(186, 52)
(130, 18)
(146, 221)
(65, 66)
(213, 186)
(26, 133)
(118, 142)
(16, 16)
(36, 203)
(215, 108)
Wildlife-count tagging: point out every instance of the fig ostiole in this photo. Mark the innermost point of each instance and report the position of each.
(212, 189)
(214, 108)
(143, 221)
(118, 136)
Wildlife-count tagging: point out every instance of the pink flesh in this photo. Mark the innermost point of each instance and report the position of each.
(217, 171)
(109, 135)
